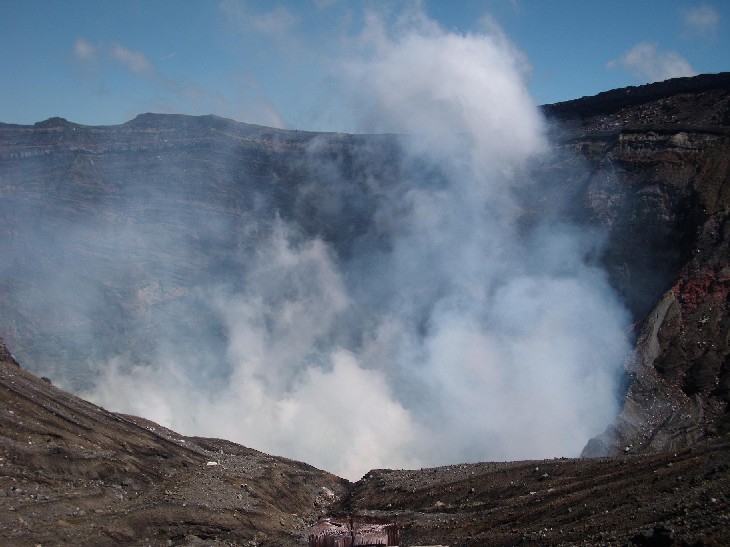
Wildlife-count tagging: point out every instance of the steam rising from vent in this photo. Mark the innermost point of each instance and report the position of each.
(462, 97)
(442, 330)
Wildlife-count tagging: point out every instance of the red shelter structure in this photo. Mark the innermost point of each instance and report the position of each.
(353, 532)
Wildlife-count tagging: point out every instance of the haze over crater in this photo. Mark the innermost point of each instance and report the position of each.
(354, 302)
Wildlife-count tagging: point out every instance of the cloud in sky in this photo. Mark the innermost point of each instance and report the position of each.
(649, 63)
(86, 53)
(701, 21)
(323, 4)
(134, 61)
(176, 94)
(276, 22)
(84, 50)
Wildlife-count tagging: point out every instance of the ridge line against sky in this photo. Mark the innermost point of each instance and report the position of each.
(280, 63)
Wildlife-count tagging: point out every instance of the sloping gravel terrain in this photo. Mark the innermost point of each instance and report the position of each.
(72, 473)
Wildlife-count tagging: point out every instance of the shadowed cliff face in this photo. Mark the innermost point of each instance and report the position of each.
(660, 181)
(130, 249)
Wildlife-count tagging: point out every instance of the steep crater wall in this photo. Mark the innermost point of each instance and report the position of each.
(649, 166)
(660, 183)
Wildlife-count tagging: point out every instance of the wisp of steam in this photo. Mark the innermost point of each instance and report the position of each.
(446, 331)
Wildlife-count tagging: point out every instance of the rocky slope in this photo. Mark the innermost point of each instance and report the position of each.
(73, 473)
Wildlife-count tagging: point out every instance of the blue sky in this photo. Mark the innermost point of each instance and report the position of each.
(280, 63)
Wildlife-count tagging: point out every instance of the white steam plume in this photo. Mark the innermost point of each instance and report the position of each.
(464, 338)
